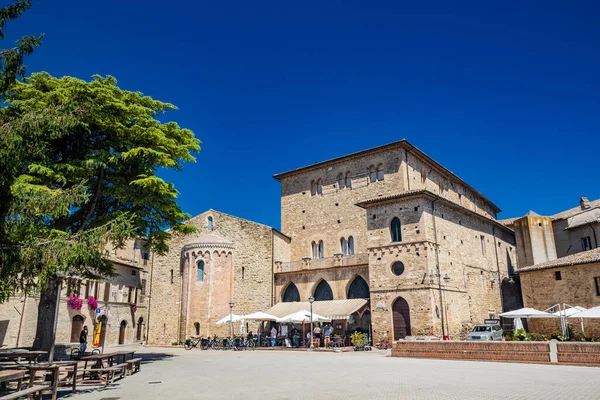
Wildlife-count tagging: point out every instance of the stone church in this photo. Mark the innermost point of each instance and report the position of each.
(386, 240)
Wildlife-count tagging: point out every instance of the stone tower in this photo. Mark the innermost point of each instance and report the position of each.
(535, 239)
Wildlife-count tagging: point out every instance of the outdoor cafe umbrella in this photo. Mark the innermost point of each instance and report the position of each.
(226, 320)
(303, 316)
(260, 316)
(590, 313)
(570, 313)
(527, 313)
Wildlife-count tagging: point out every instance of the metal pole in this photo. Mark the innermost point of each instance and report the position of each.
(230, 322)
(311, 327)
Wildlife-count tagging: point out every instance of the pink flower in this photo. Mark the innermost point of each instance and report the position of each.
(92, 302)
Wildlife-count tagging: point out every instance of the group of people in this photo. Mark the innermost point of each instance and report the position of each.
(318, 333)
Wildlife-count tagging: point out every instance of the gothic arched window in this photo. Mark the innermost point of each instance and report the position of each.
(359, 289)
(395, 230)
(200, 271)
(291, 294)
(323, 291)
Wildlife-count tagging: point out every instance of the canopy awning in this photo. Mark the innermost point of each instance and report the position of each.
(259, 316)
(226, 320)
(331, 309)
(527, 313)
(590, 313)
(303, 316)
(569, 312)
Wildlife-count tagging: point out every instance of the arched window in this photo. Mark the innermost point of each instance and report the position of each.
(344, 246)
(321, 249)
(210, 223)
(341, 181)
(197, 328)
(348, 180)
(395, 230)
(380, 172)
(200, 271)
(359, 289)
(372, 174)
(313, 188)
(291, 294)
(319, 186)
(315, 250)
(323, 291)
(122, 332)
(350, 246)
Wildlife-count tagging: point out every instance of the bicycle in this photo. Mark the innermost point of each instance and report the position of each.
(191, 343)
(214, 343)
(384, 345)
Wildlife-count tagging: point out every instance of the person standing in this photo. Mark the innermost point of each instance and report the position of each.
(317, 332)
(83, 340)
(273, 336)
(295, 336)
(328, 331)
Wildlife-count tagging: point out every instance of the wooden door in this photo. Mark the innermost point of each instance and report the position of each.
(76, 328)
(401, 318)
(122, 329)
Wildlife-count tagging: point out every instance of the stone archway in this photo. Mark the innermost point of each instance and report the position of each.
(76, 328)
(122, 332)
(401, 318)
(140, 329)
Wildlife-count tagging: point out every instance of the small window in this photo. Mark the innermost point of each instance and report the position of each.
(344, 246)
(597, 283)
(133, 272)
(482, 239)
(348, 180)
(197, 328)
(557, 276)
(380, 172)
(243, 272)
(200, 271)
(350, 246)
(172, 277)
(315, 250)
(320, 186)
(143, 289)
(210, 224)
(341, 181)
(395, 230)
(586, 243)
(372, 174)
(398, 268)
(321, 249)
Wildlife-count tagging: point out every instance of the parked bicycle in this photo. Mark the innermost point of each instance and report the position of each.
(384, 345)
(214, 343)
(191, 343)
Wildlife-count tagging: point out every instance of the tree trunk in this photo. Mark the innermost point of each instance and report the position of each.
(44, 335)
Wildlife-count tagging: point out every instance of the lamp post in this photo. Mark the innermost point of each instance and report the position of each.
(231, 320)
(311, 300)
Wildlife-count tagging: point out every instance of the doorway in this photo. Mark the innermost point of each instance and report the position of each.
(122, 330)
(401, 318)
(140, 329)
(76, 328)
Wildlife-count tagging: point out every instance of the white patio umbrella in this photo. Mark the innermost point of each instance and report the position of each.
(226, 320)
(528, 313)
(303, 316)
(517, 324)
(590, 313)
(260, 316)
(569, 312)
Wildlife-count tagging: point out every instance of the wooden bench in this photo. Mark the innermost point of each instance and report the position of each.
(110, 372)
(133, 365)
(34, 390)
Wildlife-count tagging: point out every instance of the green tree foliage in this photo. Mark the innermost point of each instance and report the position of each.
(84, 157)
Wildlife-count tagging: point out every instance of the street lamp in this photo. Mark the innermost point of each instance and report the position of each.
(311, 300)
(231, 320)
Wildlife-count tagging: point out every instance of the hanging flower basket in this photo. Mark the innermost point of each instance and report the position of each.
(74, 302)
(92, 302)
(133, 307)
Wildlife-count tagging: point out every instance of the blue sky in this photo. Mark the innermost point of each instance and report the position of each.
(506, 95)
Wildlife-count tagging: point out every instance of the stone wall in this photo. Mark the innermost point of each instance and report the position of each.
(568, 241)
(576, 287)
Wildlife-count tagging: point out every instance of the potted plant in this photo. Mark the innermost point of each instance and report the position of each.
(358, 340)
(74, 302)
(92, 302)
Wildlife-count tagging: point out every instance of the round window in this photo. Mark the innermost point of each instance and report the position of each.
(398, 268)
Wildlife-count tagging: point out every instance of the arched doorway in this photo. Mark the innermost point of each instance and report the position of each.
(401, 318)
(290, 294)
(76, 328)
(122, 330)
(140, 329)
(323, 291)
(359, 289)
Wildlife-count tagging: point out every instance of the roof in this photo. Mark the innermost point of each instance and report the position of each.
(332, 309)
(586, 217)
(575, 210)
(125, 263)
(398, 144)
(432, 196)
(584, 257)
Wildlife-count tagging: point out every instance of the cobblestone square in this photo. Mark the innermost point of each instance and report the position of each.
(173, 373)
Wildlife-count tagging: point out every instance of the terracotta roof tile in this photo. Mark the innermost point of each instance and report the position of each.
(584, 257)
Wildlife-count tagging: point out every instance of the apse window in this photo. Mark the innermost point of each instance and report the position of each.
(398, 268)
(557, 276)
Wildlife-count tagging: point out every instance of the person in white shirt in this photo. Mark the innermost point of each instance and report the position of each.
(273, 336)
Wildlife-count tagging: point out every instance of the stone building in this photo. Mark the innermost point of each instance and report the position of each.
(229, 259)
(422, 244)
(559, 262)
(122, 300)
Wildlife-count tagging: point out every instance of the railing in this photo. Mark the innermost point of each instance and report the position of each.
(318, 263)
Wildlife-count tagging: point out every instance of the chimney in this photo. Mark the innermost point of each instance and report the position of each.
(584, 203)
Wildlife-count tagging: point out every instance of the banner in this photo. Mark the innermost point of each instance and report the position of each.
(97, 335)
